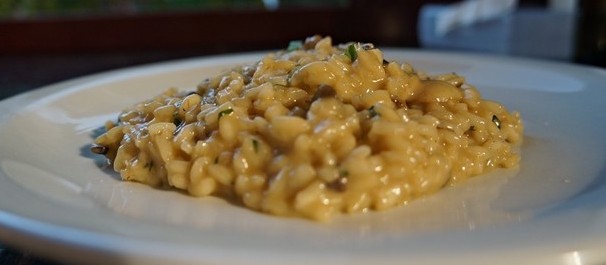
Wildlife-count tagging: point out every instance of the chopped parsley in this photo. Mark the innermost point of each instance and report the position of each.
(339, 184)
(294, 45)
(176, 119)
(255, 144)
(372, 112)
(149, 165)
(225, 112)
(351, 52)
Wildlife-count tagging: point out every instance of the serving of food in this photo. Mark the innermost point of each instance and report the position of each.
(312, 132)
(315, 130)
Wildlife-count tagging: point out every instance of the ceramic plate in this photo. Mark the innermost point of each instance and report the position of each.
(58, 200)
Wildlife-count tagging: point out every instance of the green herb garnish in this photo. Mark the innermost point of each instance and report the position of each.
(294, 45)
(496, 121)
(339, 184)
(255, 144)
(176, 119)
(351, 52)
(149, 165)
(225, 112)
(372, 112)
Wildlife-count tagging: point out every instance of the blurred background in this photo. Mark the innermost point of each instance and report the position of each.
(45, 41)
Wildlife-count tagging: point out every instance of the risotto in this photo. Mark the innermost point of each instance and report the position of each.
(315, 130)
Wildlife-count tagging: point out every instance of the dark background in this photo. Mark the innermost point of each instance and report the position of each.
(47, 46)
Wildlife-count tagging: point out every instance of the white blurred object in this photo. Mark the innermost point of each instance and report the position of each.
(271, 4)
(497, 28)
(468, 12)
(563, 5)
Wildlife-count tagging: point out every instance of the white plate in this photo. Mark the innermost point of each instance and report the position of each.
(56, 200)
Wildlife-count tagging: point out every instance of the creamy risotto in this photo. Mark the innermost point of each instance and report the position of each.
(315, 130)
